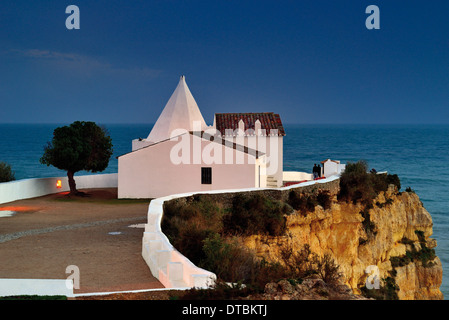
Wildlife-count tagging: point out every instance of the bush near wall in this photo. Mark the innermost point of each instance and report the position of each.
(209, 232)
(359, 185)
(6, 174)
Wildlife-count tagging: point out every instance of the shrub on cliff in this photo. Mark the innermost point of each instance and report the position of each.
(6, 174)
(306, 202)
(187, 225)
(255, 214)
(228, 259)
(359, 185)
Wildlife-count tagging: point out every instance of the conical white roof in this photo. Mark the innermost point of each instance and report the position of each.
(180, 112)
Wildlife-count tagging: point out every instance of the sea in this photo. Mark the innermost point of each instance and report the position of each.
(418, 154)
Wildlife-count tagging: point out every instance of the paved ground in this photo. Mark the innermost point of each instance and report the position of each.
(99, 234)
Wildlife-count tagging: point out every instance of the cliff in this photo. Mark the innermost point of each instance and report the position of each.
(394, 235)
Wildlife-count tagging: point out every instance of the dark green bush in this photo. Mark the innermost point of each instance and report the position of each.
(408, 189)
(306, 202)
(202, 231)
(359, 185)
(425, 254)
(368, 225)
(255, 214)
(6, 174)
(187, 225)
(324, 199)
(387, 291)
(228, 259)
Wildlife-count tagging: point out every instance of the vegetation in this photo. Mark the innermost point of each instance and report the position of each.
(408, 189)
(254, 274)
(306, 202)
(359, 185)
(210, 236)
(79, 146)
(387, 291)
(255, 214)
(6, 174)
(425, 254)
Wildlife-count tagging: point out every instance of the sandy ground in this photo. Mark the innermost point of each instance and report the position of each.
(50, 233)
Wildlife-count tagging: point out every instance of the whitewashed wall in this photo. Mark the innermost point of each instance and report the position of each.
(167, 264)
(151, 172)
(31, 188)
(290, 176)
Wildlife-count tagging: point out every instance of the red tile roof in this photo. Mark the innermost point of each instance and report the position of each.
(268, 121)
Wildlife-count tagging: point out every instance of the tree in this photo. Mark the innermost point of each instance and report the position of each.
(79, 146)
(6, 174)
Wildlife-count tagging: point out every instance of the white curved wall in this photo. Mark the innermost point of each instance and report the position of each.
(167, 264)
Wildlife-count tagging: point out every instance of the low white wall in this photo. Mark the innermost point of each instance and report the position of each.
(40, 287)
(31, 188)
(289, 176)
(167, 264)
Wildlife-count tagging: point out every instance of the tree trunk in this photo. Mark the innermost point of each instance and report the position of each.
(72, 183)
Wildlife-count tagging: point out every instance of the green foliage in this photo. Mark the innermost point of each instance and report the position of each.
(387, 291)
(219, 291)
(79, 146)
(202, 231)
(6, 174)
(188, 225)
(229, 260)
(408, 189)
(368, 225)
(324, 199)
(303, 263)
(256, 214)
(358, 185)
(248, 275)
(425, 254)
(306, 202)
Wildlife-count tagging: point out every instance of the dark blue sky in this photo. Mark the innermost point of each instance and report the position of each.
(310, 61)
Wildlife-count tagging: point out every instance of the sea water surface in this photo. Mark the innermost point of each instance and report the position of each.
(418, 154)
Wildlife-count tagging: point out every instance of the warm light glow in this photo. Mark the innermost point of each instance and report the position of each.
(59, 184)
(18, 208)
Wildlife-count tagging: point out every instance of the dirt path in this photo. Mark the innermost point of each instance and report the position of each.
(99, 234)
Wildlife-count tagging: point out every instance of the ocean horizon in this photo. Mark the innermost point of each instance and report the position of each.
(416, 153)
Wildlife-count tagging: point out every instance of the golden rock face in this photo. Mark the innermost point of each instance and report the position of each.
(340, 232)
